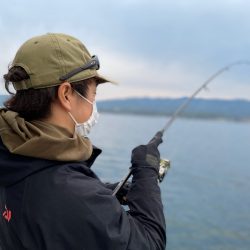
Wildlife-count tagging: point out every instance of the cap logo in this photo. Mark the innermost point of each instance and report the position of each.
(7, 214)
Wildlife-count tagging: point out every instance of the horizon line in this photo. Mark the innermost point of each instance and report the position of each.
(166, 97)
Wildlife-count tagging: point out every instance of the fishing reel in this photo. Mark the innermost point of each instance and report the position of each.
(163, 169)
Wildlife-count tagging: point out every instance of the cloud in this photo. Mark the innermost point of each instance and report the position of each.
(149, 47)
(137, 77)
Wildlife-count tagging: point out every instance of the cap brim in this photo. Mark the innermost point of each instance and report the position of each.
(102, 79)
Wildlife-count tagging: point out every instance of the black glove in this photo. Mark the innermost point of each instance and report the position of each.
(122, 193)
(147, 155)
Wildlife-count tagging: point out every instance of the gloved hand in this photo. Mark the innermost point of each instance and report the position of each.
(147, 155)
(122, 193)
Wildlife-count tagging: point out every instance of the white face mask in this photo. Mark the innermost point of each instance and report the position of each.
(83, 129)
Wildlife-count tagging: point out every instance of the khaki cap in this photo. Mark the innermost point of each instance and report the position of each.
(48, 57)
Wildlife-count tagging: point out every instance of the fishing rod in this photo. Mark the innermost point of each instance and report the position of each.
(165, 164)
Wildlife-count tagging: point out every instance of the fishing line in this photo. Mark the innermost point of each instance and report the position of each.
(181, 108)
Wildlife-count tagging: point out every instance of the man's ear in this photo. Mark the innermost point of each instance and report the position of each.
(65, 95)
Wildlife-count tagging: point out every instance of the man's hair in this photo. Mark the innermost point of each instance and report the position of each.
(34, 104)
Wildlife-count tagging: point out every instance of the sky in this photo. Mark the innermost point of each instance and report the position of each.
(157, 48)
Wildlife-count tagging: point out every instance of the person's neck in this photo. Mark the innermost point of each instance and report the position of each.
(61, 118)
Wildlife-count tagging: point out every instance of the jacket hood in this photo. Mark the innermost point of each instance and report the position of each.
(41, 139)
(14, 168)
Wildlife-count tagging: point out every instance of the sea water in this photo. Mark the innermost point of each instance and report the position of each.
(206, 193)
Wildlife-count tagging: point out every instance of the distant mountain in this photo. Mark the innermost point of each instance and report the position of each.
(198, 108)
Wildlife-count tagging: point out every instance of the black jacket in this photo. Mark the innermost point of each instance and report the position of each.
(63, 205)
